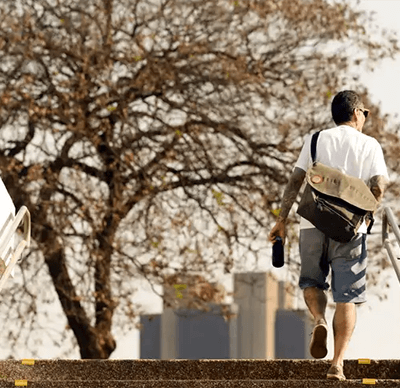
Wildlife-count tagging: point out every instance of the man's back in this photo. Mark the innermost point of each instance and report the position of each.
(346, 149)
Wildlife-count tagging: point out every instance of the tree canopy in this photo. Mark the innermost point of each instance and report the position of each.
(141, 133)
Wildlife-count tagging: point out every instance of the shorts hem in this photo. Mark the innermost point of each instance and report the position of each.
(307, 285)
(350, 301)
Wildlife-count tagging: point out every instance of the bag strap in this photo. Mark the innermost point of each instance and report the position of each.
(314, 146)
(370, 216)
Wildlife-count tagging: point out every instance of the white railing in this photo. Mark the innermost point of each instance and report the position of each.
(6, 235)
(388, 219)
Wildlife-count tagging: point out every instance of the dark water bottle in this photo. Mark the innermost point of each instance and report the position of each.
(278, 258)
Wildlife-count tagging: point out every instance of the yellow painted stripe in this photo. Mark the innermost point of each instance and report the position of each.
(21, 383)
(364, 361)
(368, 381)
(28, 361)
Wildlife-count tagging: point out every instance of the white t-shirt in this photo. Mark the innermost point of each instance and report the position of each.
(348, 150)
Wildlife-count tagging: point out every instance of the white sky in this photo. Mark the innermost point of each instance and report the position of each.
(384, 82)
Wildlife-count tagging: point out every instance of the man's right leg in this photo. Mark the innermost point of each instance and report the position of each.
(316, 301)
(343, 326)
(349, 264)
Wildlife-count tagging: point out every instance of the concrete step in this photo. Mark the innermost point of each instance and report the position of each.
(204, 369)
(195, 373)
(202, 384)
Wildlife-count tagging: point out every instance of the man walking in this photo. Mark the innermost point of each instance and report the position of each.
(346, 148)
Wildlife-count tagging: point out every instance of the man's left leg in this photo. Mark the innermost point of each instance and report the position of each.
(316, 301)
(313, 274)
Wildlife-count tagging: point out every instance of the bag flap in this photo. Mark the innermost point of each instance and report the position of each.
(333, 182)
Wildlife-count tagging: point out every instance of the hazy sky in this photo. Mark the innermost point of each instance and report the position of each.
(384, 81)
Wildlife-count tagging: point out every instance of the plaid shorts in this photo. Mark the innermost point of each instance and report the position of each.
(348, 261)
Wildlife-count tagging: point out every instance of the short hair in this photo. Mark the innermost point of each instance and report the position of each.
(343, 106)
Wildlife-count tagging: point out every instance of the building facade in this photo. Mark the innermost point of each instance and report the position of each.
(262, 323)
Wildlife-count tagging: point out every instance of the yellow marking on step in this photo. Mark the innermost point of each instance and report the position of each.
(21, 383)
(28, 361)
(368, 381)
(364, 361)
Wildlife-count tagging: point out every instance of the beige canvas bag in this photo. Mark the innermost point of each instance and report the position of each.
(335, 203)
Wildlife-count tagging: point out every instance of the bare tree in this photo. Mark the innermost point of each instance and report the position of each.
(139, 133)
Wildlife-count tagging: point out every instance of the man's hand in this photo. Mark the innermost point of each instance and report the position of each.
(378, 185)
(279, 229)
(289, 196)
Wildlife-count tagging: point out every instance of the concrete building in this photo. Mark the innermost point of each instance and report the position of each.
(262, 323)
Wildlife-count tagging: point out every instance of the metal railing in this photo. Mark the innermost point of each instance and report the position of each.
(388, 219)
(7, 233)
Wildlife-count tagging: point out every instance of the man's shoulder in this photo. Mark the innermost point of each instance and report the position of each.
(368, 141)
(352, 134)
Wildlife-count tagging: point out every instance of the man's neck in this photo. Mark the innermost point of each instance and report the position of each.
(352, 124)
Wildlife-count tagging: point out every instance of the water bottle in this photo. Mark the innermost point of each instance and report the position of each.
(278, 259)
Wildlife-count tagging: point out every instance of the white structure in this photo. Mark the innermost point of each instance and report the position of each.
(9, 223)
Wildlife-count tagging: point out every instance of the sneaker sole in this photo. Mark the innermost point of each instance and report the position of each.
(318, 347)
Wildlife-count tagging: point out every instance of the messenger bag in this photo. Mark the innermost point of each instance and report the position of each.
(335, 203)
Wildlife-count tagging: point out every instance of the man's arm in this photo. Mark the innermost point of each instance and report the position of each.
(378, 184)
(289, 196)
